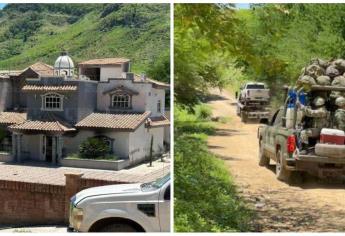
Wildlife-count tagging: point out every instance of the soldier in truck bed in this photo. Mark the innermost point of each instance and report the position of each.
(319, 119)
(339, 116)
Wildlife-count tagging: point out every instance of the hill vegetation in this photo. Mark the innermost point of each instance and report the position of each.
(39, 32)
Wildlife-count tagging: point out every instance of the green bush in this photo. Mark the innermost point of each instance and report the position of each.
(93, 148)
(203, 112)
(205, 197)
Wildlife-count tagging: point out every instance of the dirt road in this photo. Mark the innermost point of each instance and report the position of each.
(311, 206)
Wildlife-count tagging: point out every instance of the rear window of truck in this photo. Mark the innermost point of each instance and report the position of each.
(255, 86)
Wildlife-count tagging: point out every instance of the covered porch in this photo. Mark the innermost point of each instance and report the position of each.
(38, 141)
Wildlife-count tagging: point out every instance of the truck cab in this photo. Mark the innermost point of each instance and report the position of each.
(279, 143)
(122, 208)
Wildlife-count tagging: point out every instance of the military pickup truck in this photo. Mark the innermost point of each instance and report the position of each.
(280, 144)
(253, 101)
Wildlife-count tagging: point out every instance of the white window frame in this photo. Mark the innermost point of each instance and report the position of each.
(124, 99)
(44, 102)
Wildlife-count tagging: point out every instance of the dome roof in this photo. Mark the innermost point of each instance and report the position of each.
(64, 62)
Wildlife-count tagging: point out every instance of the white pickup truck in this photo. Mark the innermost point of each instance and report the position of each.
(253, 91)
(122, 208)
(253, 101)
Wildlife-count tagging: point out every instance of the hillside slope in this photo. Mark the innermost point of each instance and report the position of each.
(39, 32)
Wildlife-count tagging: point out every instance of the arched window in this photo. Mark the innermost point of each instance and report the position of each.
(121, 101)
(52, 102)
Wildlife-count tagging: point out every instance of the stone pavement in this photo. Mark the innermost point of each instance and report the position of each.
(35, 229)
(33, 172)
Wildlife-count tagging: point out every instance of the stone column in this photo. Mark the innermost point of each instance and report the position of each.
(54, 150)
(19, 147)
(72, 187)
(59, 148)
(14, 146)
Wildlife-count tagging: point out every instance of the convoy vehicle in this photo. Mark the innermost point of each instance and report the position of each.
(279, 143)
(253, 101)
(122, 208)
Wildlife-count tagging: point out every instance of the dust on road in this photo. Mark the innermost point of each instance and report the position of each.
(310, 206)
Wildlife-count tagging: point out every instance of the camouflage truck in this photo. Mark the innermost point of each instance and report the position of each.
(280, 144)
(252, 102)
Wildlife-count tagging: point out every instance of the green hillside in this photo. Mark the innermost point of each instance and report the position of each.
(39, 32)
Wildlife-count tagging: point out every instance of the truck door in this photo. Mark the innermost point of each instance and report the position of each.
(164, 208)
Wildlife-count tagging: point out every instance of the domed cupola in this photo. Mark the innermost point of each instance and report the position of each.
(64, 65)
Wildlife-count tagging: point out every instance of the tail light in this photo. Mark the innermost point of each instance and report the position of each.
(291, 144)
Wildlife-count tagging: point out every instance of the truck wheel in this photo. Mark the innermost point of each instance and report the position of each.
(281, 172)
(243, 117)
(117, 227)
(263, 160)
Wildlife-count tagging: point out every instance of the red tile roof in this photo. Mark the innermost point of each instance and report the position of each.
(49, 88)
(125, 122)
(53, 126)
(42, 69)
(9, 118)
(158, 121)
(105, 61)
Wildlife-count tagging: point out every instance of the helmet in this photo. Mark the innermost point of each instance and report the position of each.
(340, 101)
(319, 101)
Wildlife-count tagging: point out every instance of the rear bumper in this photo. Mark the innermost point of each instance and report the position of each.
(320, 159)
(320, 166)
(258, 115)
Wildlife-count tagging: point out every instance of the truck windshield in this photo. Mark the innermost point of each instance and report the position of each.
(255, 86)
(155, 184)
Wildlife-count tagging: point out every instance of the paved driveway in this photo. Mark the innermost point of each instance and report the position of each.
(35, 229)
(45, 174)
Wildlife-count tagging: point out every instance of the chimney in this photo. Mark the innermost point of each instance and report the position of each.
(130, 75)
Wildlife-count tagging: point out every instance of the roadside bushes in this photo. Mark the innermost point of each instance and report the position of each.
(205, 196)
(93, 148)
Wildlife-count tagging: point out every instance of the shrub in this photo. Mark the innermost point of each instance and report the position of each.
(93, 148)
(203, 112)
(206, 199)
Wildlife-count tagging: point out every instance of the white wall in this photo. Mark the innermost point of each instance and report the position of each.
(140, 142)
(146, 100)
(110, 72)
(120, 143)
(151, 104)
(138, 101)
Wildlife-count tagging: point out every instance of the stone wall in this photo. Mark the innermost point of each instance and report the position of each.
(40, 204)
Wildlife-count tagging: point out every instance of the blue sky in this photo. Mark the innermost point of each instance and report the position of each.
(242, 5)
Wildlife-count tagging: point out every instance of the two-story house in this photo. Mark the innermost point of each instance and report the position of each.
(105, 100)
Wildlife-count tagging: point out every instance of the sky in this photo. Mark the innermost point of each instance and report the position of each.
(242, 5)
(2, 5)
